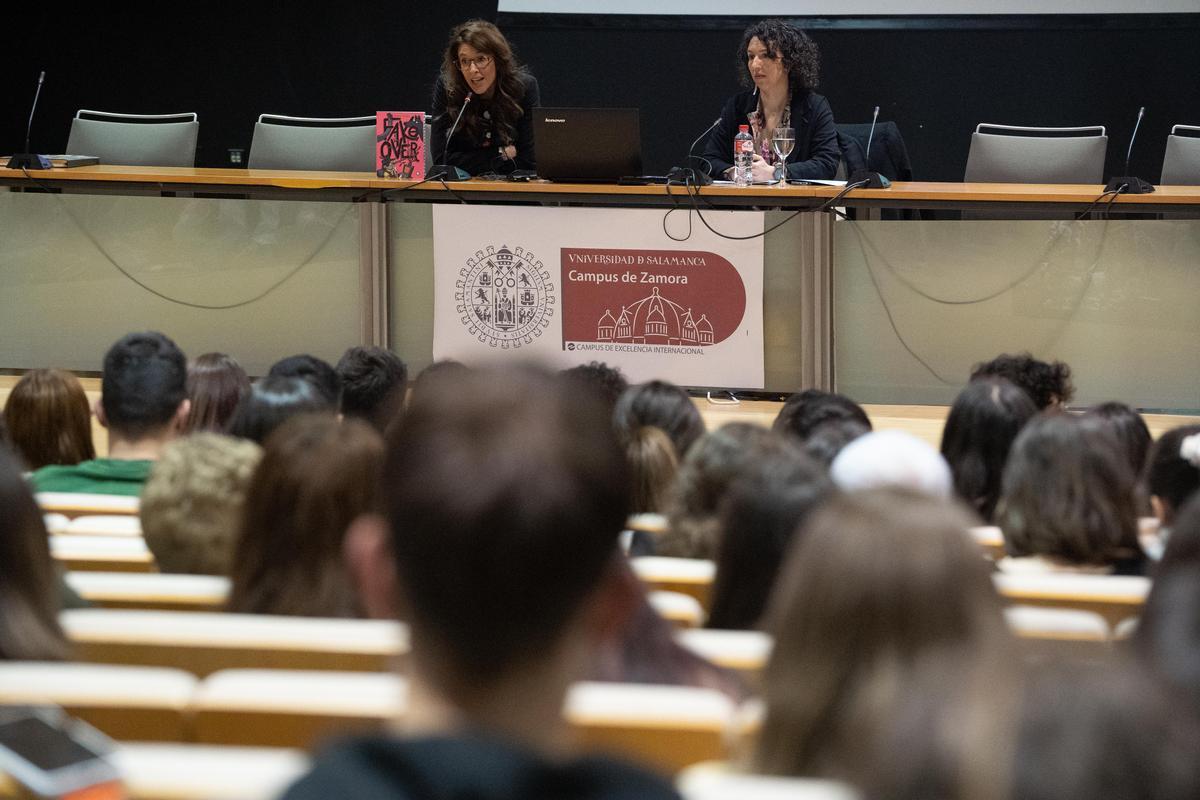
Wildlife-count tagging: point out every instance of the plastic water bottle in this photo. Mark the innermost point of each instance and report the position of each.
(743, 156)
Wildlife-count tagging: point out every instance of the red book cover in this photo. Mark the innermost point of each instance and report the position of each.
(400, 144)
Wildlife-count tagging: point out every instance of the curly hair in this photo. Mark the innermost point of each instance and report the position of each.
(510, 79)
(1046, 383)
(800, 54)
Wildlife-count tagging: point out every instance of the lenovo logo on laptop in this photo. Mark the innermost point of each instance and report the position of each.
(552, 119)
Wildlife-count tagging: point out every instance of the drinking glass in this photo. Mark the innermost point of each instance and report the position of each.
(782, 142)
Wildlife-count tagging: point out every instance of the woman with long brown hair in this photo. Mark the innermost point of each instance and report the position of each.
(216, 383)
(49, 419)
(491, 96)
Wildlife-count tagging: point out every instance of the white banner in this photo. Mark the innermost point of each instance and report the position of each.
(566, 286)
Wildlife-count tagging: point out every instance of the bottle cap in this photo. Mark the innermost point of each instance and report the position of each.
(743, 128)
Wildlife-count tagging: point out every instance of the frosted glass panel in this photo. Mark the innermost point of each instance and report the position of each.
(290, 268)
(1117, 300)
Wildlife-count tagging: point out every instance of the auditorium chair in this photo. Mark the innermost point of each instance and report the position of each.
(690, 576)
(1019, 154)
(96, 525)
(1181, 163)
(143, 140)
(151, 591)
(331, 144)
(102, 553)
(80, 504)
(1113, 597)
(722, 781)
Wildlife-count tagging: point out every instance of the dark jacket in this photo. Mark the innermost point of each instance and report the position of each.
(816, 153)
(467, 768)
(481, 155)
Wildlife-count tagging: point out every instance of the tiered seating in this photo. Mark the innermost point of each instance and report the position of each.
(151, 590)
(80, 504)
(102, 553)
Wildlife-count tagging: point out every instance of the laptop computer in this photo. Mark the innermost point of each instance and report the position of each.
(587, 144)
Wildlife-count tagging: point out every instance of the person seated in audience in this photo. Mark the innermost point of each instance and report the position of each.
(192, 502)
(320, 374)
(485, 473)
(317, 474)
(1048, 384)
(662, 405)
(880, 586)
(986, 417)
(435, 372)
(216, 384)
(491, 96)
(830, 438)
(1173, 474)
(49, 419)
(891, 458)
(804, 413)
(693, 524)
(29, 587)
(1128, 427)
(1068, 501)
(374, 381)
(143, 404)
(783, 65)
(653, 466)
(763, 508)
(607, 382)
(272, 401)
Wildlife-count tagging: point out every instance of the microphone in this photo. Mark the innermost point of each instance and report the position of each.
(873, 180)
(450, 172)
(1130, 184)
(28, 160)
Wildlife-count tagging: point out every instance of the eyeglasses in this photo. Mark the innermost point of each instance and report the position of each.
(479, 62)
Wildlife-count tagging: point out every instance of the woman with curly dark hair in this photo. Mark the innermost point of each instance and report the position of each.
(782, 63)
(482, 80)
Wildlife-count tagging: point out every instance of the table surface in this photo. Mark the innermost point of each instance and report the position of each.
(1074, 194)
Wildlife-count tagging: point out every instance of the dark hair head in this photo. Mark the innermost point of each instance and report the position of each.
(320, 374)
(1068, 494)
(144, 382)
(760, 514)
(705, 473)
(661, 405)
(506, 490)
(1167, 638)
(1128, 428)
(316, 476)
(877, 580)
(1183, 544)
(804, 413)
(446, 368)
(506, 107)
(374, 380)
(984, 421)
(29, 593)
(801, 58)
(216, 384)
(653, 465)
(49, 419)
(1173, 471)
(607, 383)
(1047, 384)
(272, 400)
(829, 438)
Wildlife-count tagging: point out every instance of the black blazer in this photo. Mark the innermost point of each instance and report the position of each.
(816, 153)
(478, 156)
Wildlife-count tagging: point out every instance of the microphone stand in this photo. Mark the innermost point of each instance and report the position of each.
(28, 160)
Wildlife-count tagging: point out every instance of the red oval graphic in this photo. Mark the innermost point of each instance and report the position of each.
(688, 298)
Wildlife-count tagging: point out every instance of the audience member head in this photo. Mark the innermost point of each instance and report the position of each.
(804, 413)
(1183, 543)
(1068, 495)
(271, 402)
(447, 368)
(49, 419)
(512, 480)
(891, 458)
(216, 384)
(1089, 731)
(320, 374)
(606, 382)
(192, 502)
(143, 391)
(1173, 471)
(704, 475)
(830, 438)
(1129, 429)
(1048, 384)
(1167, 637)
(760, 514)
(374, 380)
(653, 465)
(317, 474)
(983, 422)
(29, 593)
(878, 582)
(662, 405)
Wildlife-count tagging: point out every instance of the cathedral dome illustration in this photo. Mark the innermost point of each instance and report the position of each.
(654, 320)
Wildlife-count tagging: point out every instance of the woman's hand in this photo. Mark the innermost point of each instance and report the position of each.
(509, 150)
(761, 171)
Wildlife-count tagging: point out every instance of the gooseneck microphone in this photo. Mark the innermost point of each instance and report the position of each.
(1130, 184)
(28, 160)
(866, 177)
(450, 172)
(699, 177)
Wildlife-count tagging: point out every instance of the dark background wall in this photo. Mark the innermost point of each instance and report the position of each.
(936, 78)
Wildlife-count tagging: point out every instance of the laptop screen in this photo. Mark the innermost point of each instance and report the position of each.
(587, 144)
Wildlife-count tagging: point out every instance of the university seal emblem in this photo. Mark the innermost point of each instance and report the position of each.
(504, 297)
